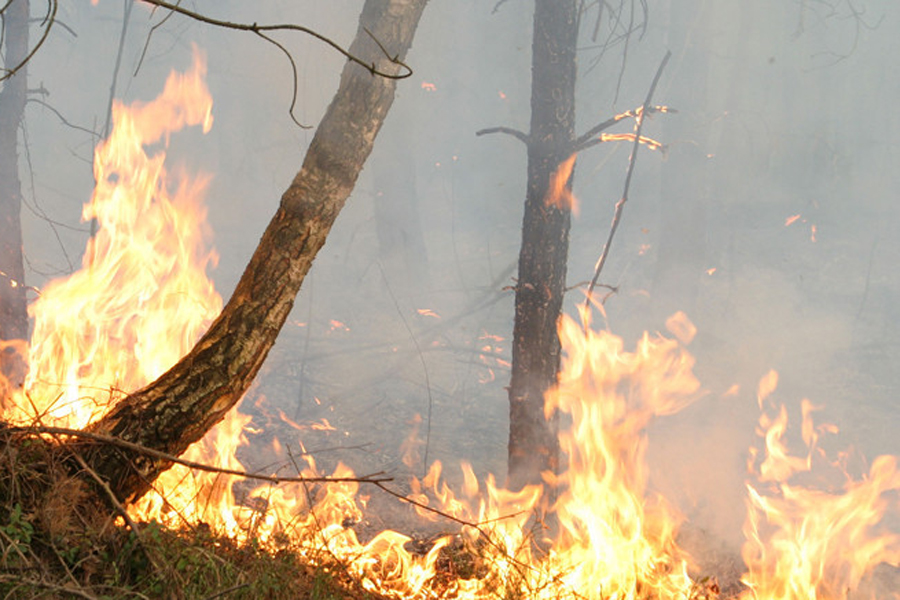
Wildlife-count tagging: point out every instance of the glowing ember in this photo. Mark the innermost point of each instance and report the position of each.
(791, 220)
(629, 137)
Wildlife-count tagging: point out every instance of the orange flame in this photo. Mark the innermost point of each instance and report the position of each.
(629, 137)
(558, 192)
(808, 543)
(143, 297)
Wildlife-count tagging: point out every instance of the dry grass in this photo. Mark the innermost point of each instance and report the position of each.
(59, 540)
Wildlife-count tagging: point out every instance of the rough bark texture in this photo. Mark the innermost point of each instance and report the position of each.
(13, 310)
(179, 408)
(533, 444)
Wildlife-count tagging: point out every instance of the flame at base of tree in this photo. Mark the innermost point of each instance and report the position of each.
(143, 297)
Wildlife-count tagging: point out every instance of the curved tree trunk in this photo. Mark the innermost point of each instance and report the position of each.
(13, 309)
(177, 409)
(533, 444)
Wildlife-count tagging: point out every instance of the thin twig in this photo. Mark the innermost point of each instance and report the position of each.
(631, 161)
(116, 503)
(522, 137)
(46, 585)
(518, 564)
(60, 116)
(259, 29)
(227, 591)
(588, 138)
(424, 368)
(120, 443)
(47, 23)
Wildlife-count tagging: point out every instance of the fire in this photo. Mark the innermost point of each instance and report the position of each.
(596, 530)
(558, 192)
(629, 137)
(617, 538)
(805, 542)
(142, 297)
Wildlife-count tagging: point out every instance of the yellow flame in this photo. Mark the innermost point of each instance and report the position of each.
(805, 543)
(629, 137)
(143, 297)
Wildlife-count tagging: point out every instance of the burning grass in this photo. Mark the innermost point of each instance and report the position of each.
(207, 533)
(59, 540)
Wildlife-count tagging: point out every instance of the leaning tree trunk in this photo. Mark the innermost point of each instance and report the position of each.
(177, 409)
(13, 310)
(533, 444)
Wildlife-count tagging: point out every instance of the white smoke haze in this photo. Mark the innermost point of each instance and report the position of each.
(770, 218)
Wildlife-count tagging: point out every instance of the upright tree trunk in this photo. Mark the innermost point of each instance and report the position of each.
(13, 310)
(533, 444)
(401, 241)
(686, 174)
(178, 408)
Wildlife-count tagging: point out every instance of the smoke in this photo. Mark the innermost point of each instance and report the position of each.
(768, 218)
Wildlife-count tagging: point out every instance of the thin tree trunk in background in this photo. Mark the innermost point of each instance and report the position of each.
(401, 241)
(177, 409)
(533, 444)
(687, 172)
(13, 309)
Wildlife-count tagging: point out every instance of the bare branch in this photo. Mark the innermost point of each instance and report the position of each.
(498, 5)
(157, 454)
(47, 23)
(522, 137)
(631, 161)
(64, 121)
(260, 30)
(587, 139)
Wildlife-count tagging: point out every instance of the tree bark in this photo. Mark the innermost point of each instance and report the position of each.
(177, 409)
(13, 308)
(533, 444)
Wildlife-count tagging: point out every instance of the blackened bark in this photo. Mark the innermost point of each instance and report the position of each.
(179, 408)
(13, 309)
(533, 444)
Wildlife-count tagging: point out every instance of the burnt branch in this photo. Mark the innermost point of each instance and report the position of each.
(588, 138)
(519, 135)
(617, 217)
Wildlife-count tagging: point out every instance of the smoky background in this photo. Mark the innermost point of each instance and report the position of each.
(399, 342)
